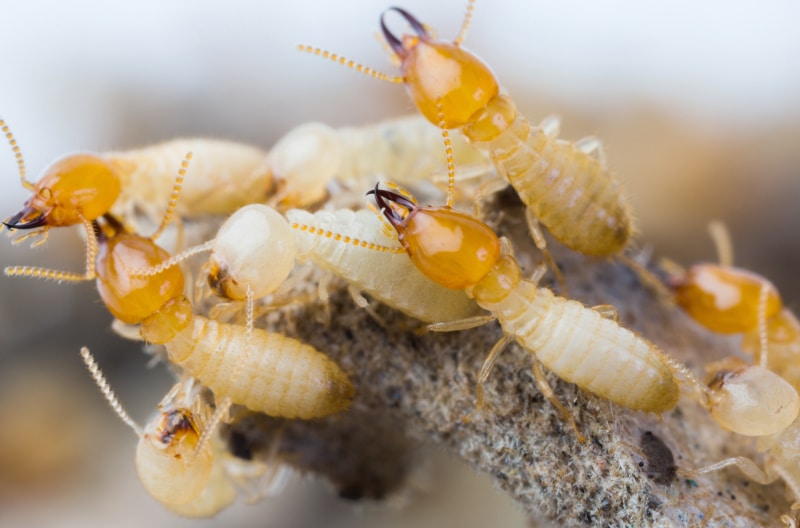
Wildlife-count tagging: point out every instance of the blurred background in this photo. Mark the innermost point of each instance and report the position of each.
(698, 106)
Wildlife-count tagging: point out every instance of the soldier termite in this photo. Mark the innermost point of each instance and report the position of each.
(265, 372)
(731, 300)
(187, 482)
(256, 247)
(565, 186)
(581, 345)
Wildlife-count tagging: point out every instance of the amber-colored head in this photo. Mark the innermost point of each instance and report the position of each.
(725, 299)
(133, 298)
(453, 249)
(441, 76)
(77, 185)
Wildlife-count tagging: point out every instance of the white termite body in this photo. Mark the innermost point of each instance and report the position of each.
(389, 277)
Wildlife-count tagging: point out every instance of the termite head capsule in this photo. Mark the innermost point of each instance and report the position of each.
(77, 185)
(165, 459)
(725, 299)
(441, 76)
(750, 400)
(453, 249)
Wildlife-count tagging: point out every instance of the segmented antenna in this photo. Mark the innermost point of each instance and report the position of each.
(63, 276)
(172, 261)
(346, 239)
(448, 149)
(105, 388)
(396, 79)
(18, 154)
(722, 240)
(465, 24)
(173, 199)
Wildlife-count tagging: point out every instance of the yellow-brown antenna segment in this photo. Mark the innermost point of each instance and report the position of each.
(465, 24)
(173, 199)
(396, 79)
(18, 154)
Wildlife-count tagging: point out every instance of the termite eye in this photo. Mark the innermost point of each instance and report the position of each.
(395, 43)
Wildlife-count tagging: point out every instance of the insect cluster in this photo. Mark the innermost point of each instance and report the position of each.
(440, 265)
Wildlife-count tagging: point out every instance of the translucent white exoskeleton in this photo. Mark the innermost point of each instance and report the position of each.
(567, 187)
(581, 345)
(406, 150)
(754, 401)
(167, 463)
(186, 481)
(256, 248)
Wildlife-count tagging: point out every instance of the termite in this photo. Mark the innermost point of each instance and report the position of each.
(731, 300)
(759, 403)
(566, 187)
(255, 249)
(263, 371)
(76, 189)
(188, 482)
(405, 150)
(581, 345)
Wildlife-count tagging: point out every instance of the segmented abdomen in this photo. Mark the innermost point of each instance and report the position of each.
(389, 277)
(568, 191)
(582, 347)
(282, 376)
(222, 177)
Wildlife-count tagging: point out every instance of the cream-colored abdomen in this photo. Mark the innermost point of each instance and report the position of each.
(568, 191)
(280, 376)
(582, 347)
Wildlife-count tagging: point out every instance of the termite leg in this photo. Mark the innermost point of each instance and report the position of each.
(649, 280)
(488, 365)
(487, 187)
(461, 324)
(551, 126)
(362, 302)
(607, 311)
(547, 392)
(541, 244)
(592, 145)
(745, 465)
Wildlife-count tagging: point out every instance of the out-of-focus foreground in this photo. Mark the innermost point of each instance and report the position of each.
(698, 108)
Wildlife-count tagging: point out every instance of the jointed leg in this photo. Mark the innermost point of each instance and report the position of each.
(547, 392)
(541, 244)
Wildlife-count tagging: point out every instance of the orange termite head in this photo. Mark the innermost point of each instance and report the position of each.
(725, 299)
(447, 83)
(452, 249)
(79, 185)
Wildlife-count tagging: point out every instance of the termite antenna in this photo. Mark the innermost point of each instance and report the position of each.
(18, 154)
(396, 79)
(346, 239)
(108, 393)
(64, 276)
(173, 199)
(722, 241)
(172, 261)
(763, 297)
(465, 24)
(219, 414)
(448, 149)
